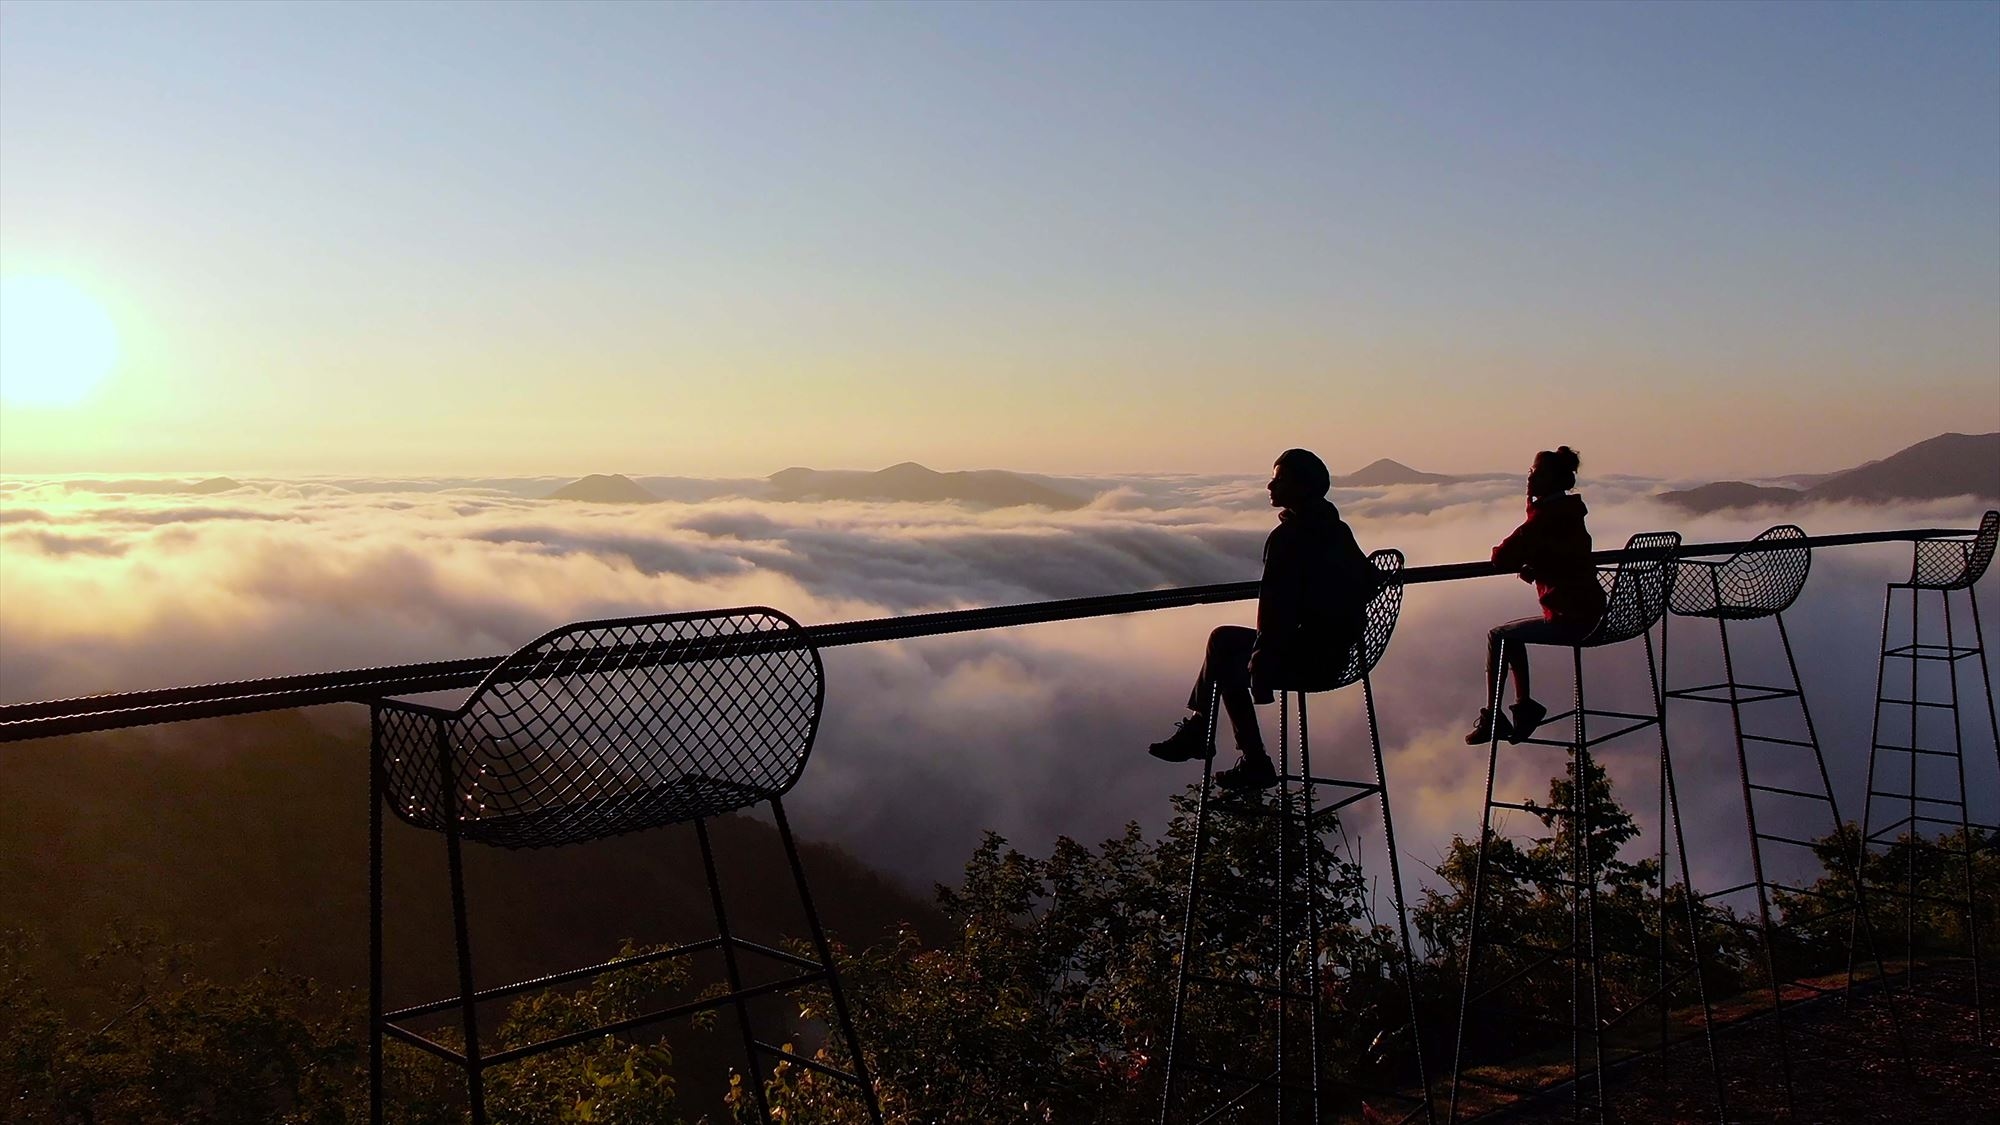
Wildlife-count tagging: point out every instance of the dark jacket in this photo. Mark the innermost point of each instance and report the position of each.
(1310, 605)
(1552, 550)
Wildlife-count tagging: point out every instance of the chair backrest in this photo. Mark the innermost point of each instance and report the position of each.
(603, 727)
(1636, 590)
(1381, 613)
(1748, 583)
(1955, 564)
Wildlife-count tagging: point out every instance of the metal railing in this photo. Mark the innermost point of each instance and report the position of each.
(49, 718)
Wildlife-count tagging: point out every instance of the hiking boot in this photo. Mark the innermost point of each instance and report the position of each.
(1251, 772)
(1188, 742)
(1482, 731)
(1528, 715)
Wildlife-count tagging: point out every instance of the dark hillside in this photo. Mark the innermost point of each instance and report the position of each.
(247, 837)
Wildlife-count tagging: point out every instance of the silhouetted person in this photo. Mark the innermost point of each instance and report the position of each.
(1310, 612)
(1552, 550)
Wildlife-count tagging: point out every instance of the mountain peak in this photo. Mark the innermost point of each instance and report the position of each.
(1384, 471)
(602, 488)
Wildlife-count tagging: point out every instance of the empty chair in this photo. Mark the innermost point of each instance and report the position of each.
(596, 729)
(1637, 591)
(1752, 585)
(1202, 1089)
(1938, 798)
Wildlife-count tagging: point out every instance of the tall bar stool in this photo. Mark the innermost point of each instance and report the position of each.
(1203, 1090)
(1637, 590)
(1945, 565)
(1749, 586)
(593, 730)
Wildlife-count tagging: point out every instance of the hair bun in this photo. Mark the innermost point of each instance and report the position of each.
(1567, 460)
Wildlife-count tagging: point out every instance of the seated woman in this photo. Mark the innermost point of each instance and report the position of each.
(1552, 550)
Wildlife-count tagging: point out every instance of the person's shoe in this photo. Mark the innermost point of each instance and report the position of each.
(1528, 715)
(1482, 731)
(1250, 773)
(1188, 742)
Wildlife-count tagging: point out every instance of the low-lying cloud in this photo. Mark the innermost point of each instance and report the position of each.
(1032, 731)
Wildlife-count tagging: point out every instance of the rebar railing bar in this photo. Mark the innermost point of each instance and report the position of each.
(83, 714)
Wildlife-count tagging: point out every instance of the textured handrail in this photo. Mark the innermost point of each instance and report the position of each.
(49, 718)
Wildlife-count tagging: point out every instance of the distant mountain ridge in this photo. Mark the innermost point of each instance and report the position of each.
(208, 487)
(601, 488)
(911, 482)
(1384, 472)
(1943, 466)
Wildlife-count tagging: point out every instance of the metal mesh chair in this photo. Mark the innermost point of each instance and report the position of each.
(593, 730)
(1637, 592)
(1207, 1090)
(1932, 800)
(1955, 564)
(1748, 586)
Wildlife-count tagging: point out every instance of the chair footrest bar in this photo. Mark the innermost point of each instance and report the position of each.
(1787, 792)
(810, 1064)
(1952, 801)
(1931, 652)
(1763, 694)
(564, 977)
(405, 1035)
(1799, 742)
(1639, 723)
(1917, 703)
(572, 1038)
(1917, 750)
(1532, 810)
(1777, 839)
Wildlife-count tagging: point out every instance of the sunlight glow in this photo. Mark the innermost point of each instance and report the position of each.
(56, 342)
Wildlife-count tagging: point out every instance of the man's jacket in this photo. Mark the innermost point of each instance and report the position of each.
(1310, 605)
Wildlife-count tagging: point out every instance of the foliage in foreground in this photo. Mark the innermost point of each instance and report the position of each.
(277, 1049)
(1051, 1003)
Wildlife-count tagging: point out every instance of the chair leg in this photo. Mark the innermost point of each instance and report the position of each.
(375, 1076)
(475, 1085)
(1478, 886)
(1585, 863)
(1670, 796)
(1282, 944)
(1861, 918)
(1964, 822)
(1915, 825)
(1167, 1086)
(753, 1067)
(1311, 832)
(1985, 672)
(859, 1060)
(1396, 889)
(1767, 933)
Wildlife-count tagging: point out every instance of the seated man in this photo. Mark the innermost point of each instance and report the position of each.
(1310, 612)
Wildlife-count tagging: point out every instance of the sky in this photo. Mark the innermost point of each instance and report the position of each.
(1698, 240)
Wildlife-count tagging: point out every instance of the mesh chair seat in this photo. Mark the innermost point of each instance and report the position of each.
(1747, 585)
(606, 727)
(1380, 615)
(675, 802)
(1955, 564)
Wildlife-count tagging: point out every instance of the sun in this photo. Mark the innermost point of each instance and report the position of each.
(56, 342)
